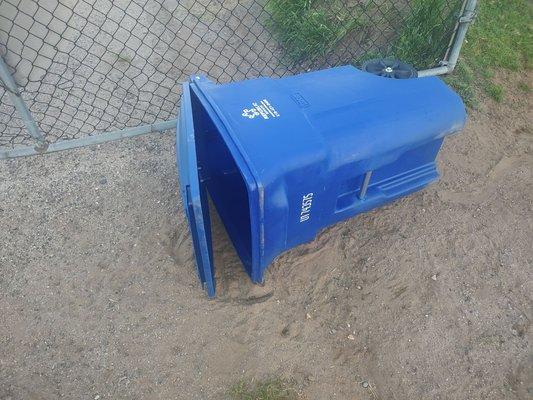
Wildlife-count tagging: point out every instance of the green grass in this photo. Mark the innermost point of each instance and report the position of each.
(309, 29)
(463, 80)
(270, 389)
(426, 32)
(500, 38)
(494, 91)
(523, 86)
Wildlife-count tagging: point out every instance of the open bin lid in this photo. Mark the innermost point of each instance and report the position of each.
(194, 194)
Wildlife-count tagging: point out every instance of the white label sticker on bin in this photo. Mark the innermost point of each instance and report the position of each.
(262, 109)
(307, 202)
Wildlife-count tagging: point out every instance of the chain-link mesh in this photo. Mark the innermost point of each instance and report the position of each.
(89, 66)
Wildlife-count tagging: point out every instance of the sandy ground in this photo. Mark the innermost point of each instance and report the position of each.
(427, 298)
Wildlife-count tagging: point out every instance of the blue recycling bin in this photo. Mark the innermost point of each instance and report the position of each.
(283, 158)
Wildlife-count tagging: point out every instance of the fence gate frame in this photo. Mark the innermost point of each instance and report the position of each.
(41, 146)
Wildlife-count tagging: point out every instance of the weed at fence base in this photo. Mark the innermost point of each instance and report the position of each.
(269, 389)
(308, 29)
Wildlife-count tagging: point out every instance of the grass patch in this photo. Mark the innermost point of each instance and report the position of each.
(270, 389)
(426, 32)
(501, 37)
(523, 86)
(463, 81)
(494, 91)
(309, 29)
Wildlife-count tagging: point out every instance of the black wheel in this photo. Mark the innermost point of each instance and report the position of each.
(390, 68)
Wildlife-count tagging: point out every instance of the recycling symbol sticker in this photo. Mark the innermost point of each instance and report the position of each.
(250, 113)
(261, 109)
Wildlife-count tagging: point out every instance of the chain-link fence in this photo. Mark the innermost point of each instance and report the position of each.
(84, 67)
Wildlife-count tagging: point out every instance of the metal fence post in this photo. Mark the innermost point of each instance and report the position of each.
(464, 22)
(14, 94)
(467, 16)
